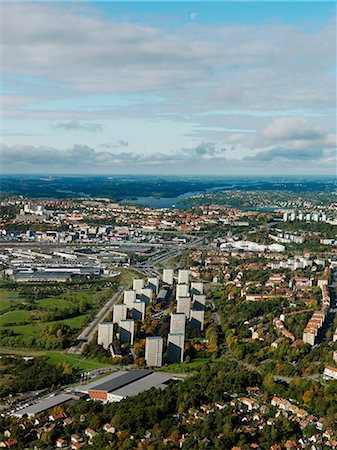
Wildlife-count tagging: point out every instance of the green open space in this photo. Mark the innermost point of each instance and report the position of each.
(13, 317)
(8, 299)
(186, 367)
(127, 275)
(21, 316)
(55, 357)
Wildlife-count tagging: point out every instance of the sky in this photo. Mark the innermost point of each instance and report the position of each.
(214, 88)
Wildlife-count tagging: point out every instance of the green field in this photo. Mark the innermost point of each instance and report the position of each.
(36, 328)
(8, 299)
(12, 317)
(22, 318)
(186, 367)
(55, 357)
(127, 275)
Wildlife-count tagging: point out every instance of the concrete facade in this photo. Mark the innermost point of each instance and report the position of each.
(177, 323)
(146, 295)
(182, 290)
(138, 310)
(154, 351)
(138, 285)
(184, 306)
(129, 298)
(119, 313)
(175, 347)
(199, 302)
(197, 320)
(197, 287)
(105, 334)
(168, 276)
(183, 276)
(153, 283)
(126, 331)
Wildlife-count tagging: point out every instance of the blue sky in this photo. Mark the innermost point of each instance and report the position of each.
(169, 87)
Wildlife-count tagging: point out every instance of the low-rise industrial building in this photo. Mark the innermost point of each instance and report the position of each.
(122, 384)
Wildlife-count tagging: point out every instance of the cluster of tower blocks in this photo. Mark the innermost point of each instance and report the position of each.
(189, 311)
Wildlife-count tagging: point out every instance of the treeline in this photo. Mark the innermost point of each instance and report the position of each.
(23, 376)
(56, 336)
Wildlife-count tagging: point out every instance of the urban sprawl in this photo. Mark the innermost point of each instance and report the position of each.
(131, 327)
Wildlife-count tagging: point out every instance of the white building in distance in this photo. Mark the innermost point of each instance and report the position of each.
(146, 295)
(168, 276)
(183, 276)
(153, 283)
(138, 285)
(129, 297)
(199, 302)
(197, 288)
(154, 351)
(105, 334)
(184, 306)
(182, 290)
(175, 347)
(197, 320)
(138, 310)
(126, 331)
(177, 323)
(119, 313)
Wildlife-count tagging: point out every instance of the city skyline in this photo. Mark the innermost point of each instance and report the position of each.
(145, 88)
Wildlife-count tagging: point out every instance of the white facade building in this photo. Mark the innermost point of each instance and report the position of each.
(146, 295)
(177, 323)
(182, 290)
(183, 276)
(137, 285)
(153, 283)
(175, 347)
(168, 276)
(119, 313)
(154, 351)
(197, 320)
(199, 302)
(105, 334)
(184, 306)
(197, 287)
(129, 297)
(138, 310)
(126, 331)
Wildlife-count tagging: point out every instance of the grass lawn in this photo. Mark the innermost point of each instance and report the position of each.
(52, 303)
(7, 299)
(55, 357)
(74, 322)
(186, 367)
(33, 328)
(74, 360)
(36, 328)
(127, 275)
(14, 317)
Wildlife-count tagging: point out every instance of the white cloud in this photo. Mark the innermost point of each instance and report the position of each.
(202, 158)
(75, 125)
(213, 78)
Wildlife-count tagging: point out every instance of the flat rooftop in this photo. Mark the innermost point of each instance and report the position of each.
(154, 380)
(43, 405)
(91, 386)
(122, 380)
